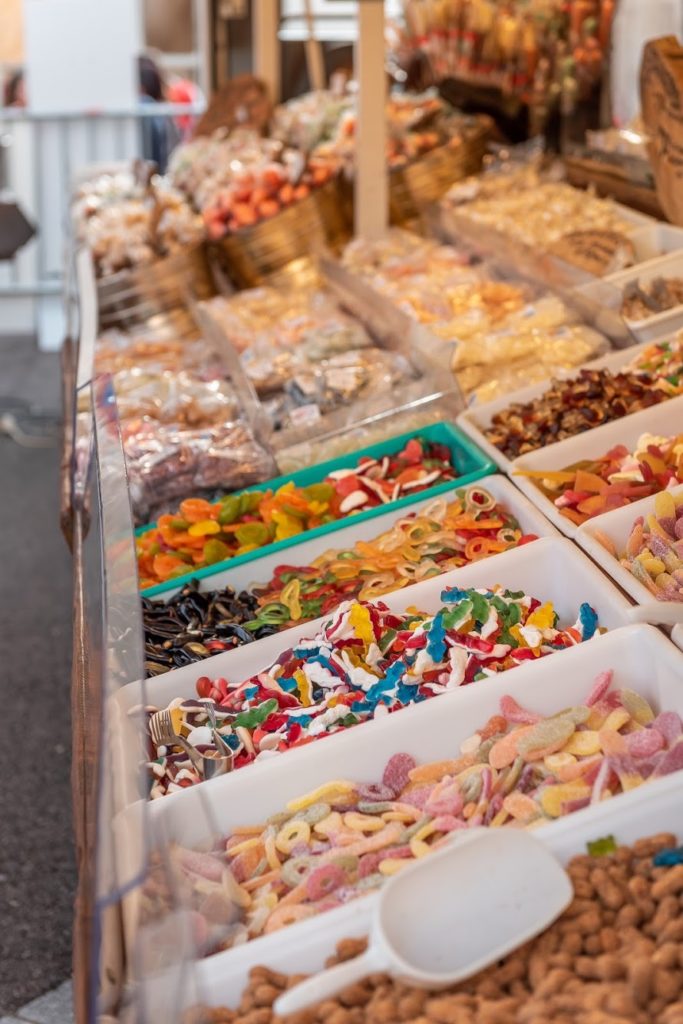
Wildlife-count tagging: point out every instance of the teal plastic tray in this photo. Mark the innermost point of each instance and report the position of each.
(470, 462)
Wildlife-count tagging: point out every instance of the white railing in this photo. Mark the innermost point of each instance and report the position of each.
(42, 157)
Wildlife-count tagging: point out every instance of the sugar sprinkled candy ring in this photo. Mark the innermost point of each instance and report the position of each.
(432, 933)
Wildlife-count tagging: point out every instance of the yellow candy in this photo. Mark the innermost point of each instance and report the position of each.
(330, 825)
(286, 526)
(553, 797)
(637, 706)
(291, 834)
(665, 506)
(425, 831)
(515, 632)
(556, 762)
(363, 822)
(204, 528)
(654, 527)
(616, 719)
(271, 853)
(654, 566)
(327, 793)
(178, 720)
(290, 597)
(583, 744)
(392, 865)
(543, 617)
(404, 816)
(248, 844)
(597, 718)
(499, 819)
(520, 806)
(359, 618)
(304, 688)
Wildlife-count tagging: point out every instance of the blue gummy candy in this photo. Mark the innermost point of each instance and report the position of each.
(667, 858)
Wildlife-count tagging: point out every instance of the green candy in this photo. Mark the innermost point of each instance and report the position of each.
(602, 847)
(215, 551)
(230, 510)
(179, 524)
(319, 492)
(252, 533)
(255, 716)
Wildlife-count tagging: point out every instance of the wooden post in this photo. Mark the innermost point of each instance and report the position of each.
(371, 200)
(314, 54)
(266, 45)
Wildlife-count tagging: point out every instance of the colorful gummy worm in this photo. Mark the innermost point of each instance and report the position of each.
(441, 537)
(614, 480)
(205, 533)
(654, 550)
(346, 838)
(365, 661)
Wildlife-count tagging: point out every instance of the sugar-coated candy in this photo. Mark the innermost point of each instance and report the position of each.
(366, 661)
(522, 775)
(654, 549)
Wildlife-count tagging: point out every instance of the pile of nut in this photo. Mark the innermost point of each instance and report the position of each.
(614, 957)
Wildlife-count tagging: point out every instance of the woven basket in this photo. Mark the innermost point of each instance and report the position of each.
(251, 255)
(425, 180)
(163, 288)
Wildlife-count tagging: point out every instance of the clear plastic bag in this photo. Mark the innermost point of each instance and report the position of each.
(168, 461)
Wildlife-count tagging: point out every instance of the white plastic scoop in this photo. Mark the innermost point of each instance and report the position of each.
(451, 914)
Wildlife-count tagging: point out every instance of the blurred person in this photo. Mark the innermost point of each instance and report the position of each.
(14, 90)
(158, 133)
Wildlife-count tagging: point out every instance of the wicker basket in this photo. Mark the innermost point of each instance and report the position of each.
(313, 224)
(424, 181)
(163, 288)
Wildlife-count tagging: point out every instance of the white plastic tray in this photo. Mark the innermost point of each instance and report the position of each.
(617, 526)
(665, 419)
(261, 570)
(642, 659)
(477, 419)
(656, 239)
(652, 327)
(550, 569)
(677, 636)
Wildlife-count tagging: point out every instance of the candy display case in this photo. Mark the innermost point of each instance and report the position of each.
(114, 960)
(328, 553)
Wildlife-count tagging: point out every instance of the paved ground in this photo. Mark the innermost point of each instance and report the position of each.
(36, 856)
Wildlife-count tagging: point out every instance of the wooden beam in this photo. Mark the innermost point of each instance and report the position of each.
(371, 200)
(266, 46)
